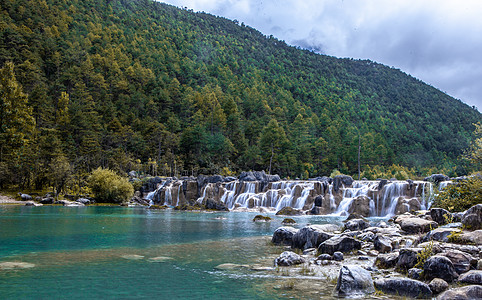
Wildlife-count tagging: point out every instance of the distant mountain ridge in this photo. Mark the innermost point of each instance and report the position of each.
(146, 83)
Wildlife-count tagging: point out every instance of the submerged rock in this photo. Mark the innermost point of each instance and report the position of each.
(261, 218)
(288, 258)
(11, 265)
(353, 281)
(133, 257)
(403, 287)
(288, 221)
(159, 259)
(230, 266)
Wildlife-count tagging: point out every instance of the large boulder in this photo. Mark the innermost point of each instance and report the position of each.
(288, 258)
(356, 225)
(440, 215)
(417, 225)
(462, 261)
(407, 258)
(284, 236)
(470, 292)
(472, 218)
(361, 206)
(439, 266)
(32, 203)
(471, 277)
(403, 287)
(471, 237)
(310, 237)
(319, 200)
(440, 234)
(353, 281)
(25, 197)
(215, 205)
(340, 180)
(382, 244)
(340, 243)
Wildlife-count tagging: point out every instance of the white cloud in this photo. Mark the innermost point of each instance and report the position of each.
(438, 41)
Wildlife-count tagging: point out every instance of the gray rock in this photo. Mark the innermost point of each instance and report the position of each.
(356, 224)
(310, 237)
(407, 258)
(216, 205)
(440, 215)
(382, 244)
(471, 277)
(338, 256)
(437, 178)
(387, 261)
(472, 218)
(283, 235)
(472, 237)
(288, 258)
(132, 174)
(470, 292)
(324, 256)
(438, 285)
(415, 273)
(462, 261)
(83, 201)
(319, 201)
(25, 197)
(340, 180)
(48, 200)
(353, 281)
(439, 267)
(367, 236)
(403, 287)
(439, 234)
(340, 243)
(417, 225)
(32, 203)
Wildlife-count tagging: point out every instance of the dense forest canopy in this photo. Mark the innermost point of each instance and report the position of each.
(147, 86)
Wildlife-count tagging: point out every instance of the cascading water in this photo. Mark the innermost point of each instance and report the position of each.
(392, 198)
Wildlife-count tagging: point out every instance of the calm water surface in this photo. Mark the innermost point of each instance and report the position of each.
(134, 253)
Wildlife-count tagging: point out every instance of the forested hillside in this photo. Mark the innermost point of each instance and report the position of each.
(147, 86)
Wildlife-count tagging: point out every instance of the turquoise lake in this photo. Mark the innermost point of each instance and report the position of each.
(135, 253)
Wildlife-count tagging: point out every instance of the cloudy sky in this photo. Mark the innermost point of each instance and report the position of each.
(437, 41)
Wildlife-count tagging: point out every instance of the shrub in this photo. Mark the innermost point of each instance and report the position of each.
(107, 186)
(460, 196)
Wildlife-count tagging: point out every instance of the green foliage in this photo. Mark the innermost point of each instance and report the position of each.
(141, 85)
(107, 186)
(460, 196)
(388, 172)
(425, 254)
(475, 151)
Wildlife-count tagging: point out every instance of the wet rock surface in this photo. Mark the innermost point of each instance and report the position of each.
(353, 281)
(403, 287)
(288, 258)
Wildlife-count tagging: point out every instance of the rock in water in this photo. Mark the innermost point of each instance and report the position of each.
(288, 258)
(289, 211)
(439, 267)
(11, 265)
(470, 292)
(353, 281)
(403, 287)
(310, 237)
(284, 236)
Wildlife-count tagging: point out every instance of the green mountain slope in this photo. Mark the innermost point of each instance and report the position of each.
(139, 84)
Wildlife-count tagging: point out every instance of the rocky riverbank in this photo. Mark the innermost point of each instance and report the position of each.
(426, 254)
